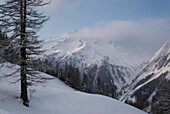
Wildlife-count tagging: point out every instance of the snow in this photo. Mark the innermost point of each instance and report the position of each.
(54, 97)
(84, 53)
(164, 50)
(158, 73)
(149, 69)
(94, 50)
(3, 112)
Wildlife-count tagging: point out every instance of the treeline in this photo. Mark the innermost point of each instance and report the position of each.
(67, 73)
(74, 78)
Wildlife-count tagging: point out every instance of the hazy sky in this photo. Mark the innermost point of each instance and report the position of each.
(128, 20)
(136, 21)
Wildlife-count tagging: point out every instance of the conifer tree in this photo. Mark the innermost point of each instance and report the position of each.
(56, 67)
(98, 85)
(21, 20)
(76, 78)
(66, 73)
(84, 84)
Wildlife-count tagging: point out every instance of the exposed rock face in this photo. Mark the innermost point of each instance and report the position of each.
(151, 85)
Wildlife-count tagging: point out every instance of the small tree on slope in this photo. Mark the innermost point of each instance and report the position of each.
(21, 20)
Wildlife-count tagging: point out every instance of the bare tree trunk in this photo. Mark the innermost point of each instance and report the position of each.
(24, 95)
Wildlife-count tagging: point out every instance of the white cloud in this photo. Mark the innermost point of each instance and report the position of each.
(149, 32)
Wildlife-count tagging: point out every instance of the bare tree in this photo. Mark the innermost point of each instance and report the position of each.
(21, 20)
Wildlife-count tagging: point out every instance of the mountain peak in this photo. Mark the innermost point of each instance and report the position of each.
(94, 48)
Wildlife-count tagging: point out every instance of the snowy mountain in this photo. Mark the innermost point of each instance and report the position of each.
(54, 97)
(115, 64)
(151, 89)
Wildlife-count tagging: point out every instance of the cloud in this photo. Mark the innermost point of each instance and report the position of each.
(148, 32)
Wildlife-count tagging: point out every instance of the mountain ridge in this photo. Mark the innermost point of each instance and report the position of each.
(115, 64)
(146, 84)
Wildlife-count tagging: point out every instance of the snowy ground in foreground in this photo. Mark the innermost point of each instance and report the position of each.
(54, 97)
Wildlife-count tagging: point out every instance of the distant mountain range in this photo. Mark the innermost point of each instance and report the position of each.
(116, 65)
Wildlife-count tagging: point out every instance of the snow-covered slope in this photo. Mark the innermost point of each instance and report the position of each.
(155, 73)
(54, 97)
(116, 65)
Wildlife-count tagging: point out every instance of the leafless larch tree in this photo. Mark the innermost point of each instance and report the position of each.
(21, 20)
